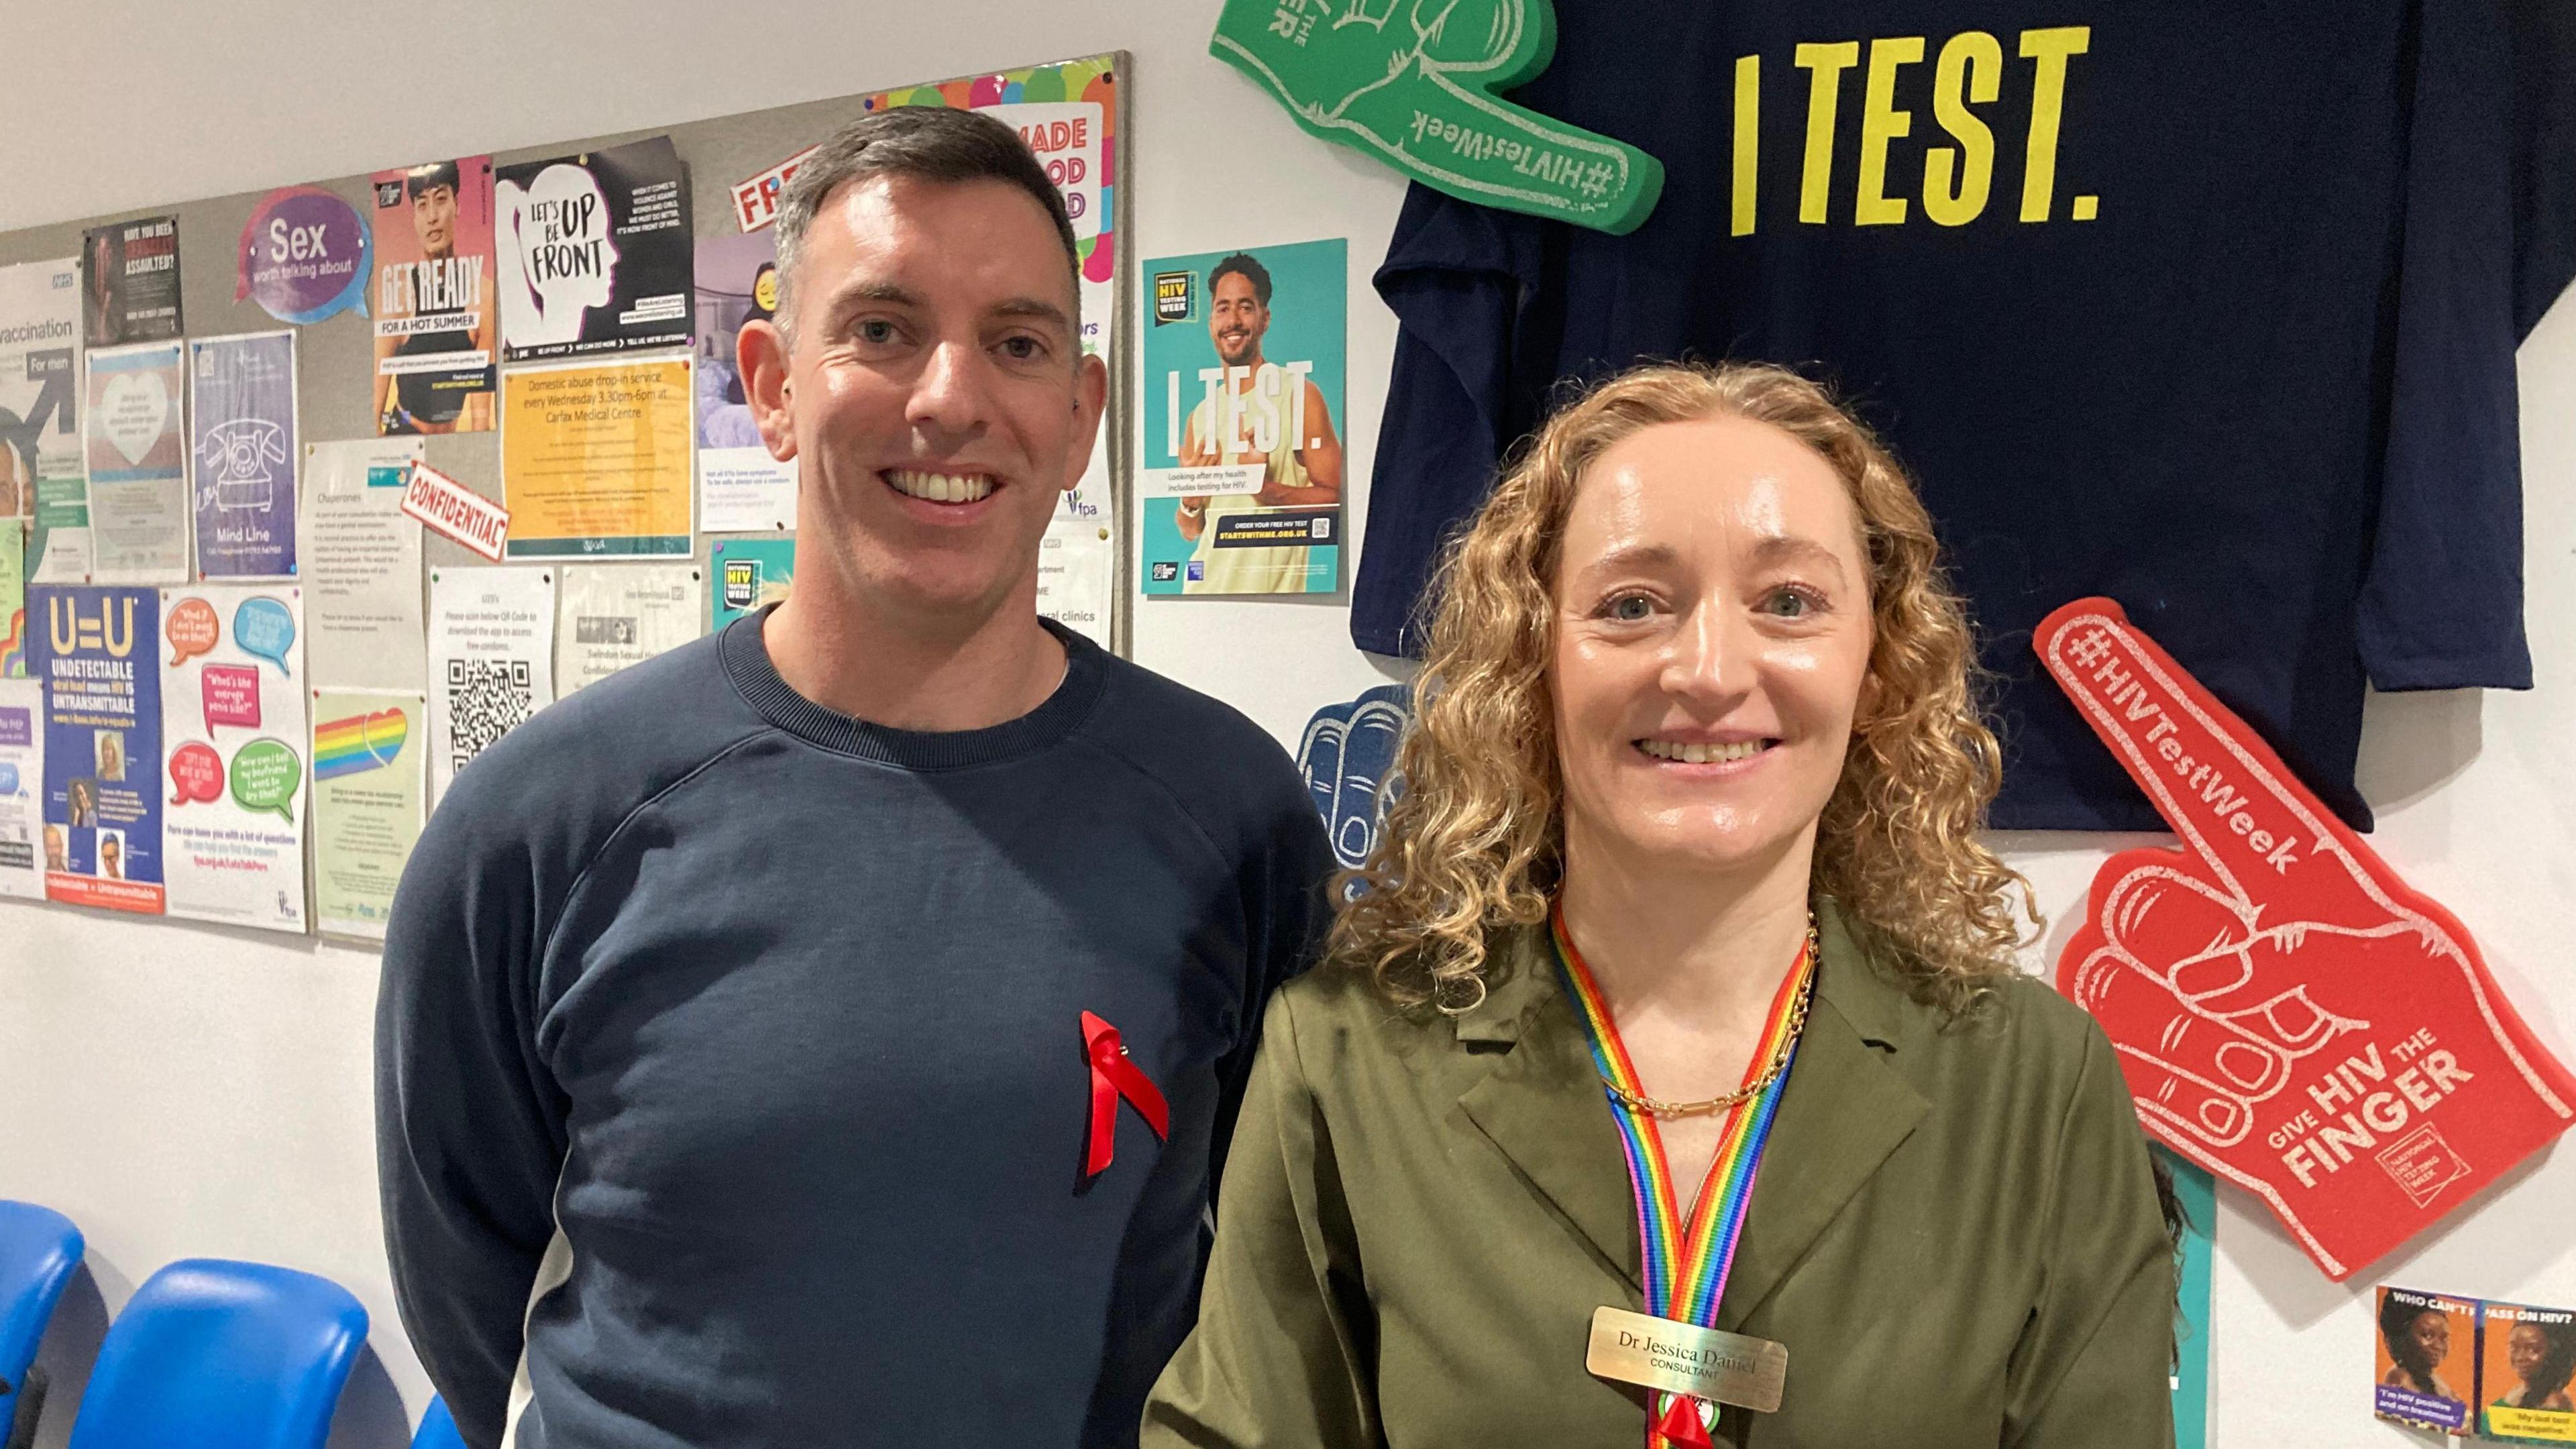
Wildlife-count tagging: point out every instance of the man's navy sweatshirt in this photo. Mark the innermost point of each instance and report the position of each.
(731, 1074)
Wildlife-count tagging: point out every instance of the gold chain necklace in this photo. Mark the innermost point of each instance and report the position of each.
(1639, 1102)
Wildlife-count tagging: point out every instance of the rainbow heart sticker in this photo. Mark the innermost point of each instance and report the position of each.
(359, 743)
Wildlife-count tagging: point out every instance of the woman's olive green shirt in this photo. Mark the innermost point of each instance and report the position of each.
(1955, 1231)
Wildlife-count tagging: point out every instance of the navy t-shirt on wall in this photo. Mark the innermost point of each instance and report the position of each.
(2208, 307)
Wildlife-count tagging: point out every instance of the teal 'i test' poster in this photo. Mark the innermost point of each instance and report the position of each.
(1244, 461)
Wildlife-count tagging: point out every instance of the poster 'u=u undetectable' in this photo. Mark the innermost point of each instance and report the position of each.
(94, 651)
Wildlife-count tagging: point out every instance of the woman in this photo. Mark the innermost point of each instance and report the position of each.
(2543, 1356)
(1693, 675)
(2418, 1339)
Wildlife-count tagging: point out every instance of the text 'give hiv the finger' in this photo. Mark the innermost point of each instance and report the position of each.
(2289, 1013)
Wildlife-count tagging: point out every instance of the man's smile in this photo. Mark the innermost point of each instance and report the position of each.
(940, 487)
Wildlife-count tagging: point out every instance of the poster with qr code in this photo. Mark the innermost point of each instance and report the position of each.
(491, 661)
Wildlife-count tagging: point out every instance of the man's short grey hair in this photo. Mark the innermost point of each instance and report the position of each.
(934, 143)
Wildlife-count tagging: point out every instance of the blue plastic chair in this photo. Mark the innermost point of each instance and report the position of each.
(219, 1355)
(437, 1428)
(39, 1252)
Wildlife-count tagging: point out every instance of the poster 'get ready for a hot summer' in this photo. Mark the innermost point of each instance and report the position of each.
(437, 311)
(1242, 485)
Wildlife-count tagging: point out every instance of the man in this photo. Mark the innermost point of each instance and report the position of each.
(1261, 405)
(434, 401)
(825, 1033)
(105, 322)
(17, 474)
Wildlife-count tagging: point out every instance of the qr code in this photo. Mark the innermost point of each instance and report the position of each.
(486, 699)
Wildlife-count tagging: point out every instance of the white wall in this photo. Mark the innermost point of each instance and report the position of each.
(186, 1090)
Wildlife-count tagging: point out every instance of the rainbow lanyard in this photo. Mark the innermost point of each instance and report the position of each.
(1686, 1266)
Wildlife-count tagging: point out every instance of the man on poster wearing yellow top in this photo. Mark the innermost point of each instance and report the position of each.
(1265, 414)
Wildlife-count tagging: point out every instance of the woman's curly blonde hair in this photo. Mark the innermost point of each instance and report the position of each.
(1473, 836)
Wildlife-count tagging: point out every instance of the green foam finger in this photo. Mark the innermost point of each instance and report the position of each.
(1415, 83)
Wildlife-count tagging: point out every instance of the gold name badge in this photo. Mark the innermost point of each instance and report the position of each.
(1678, 1358)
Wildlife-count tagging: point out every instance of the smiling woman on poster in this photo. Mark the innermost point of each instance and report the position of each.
(2418, 1339)
(1684, 893)
(2543, 1359)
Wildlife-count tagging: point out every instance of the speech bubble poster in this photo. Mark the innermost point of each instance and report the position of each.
(1242, 484)
(242, 454)
(304, 255)
(233, 784)
(93, 649)
(593, 252)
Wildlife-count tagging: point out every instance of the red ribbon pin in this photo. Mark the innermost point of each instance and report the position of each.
(1115, 1075)
(1681, 1425)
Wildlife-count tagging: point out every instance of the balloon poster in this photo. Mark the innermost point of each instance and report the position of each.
(232, 718)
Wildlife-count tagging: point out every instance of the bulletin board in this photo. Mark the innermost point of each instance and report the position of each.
(335, 362)
(269, 772)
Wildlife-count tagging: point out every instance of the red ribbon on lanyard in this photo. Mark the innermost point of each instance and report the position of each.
(1681, 1424)
(1114, 1075)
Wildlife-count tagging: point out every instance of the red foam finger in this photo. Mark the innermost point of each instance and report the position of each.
(2235, 805)
(2302, 1023)
(2165, 913)
(2140, 1011)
